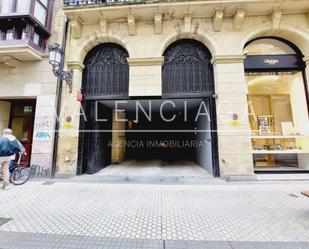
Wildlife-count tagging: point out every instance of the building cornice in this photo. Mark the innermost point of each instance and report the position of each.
(206, 9)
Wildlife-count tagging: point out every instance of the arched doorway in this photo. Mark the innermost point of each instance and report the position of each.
(106, 76)
(278, 105)
(187, 76)
(187, 70)
(106, 73)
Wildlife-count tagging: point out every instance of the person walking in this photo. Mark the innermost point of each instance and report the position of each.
(9, 146)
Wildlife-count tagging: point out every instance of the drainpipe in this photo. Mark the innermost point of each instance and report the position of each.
(58, 101)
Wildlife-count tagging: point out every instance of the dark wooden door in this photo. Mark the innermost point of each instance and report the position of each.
(98, 138)
(22, 123)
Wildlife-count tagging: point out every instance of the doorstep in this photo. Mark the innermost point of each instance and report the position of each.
(282, 177)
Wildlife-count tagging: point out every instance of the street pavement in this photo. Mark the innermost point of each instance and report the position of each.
(72, 214)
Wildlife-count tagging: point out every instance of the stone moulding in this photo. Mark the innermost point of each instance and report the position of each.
(71, 65)
(239, 18)
(227, 59)
(77, 27)
(146, 61)
(217, 20)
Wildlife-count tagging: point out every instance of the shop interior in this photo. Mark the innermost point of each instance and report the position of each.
(278, 116)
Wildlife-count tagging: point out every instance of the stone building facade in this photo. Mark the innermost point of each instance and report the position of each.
(146, 30)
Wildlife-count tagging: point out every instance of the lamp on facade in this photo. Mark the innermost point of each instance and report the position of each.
(56, 58)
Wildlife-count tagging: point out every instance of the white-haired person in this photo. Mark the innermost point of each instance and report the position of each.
(9, 146)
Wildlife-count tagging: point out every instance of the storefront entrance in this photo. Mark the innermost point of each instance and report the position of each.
(278, 106)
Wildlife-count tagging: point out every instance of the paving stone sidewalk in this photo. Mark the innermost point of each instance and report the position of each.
(16, 240)
(175, 216)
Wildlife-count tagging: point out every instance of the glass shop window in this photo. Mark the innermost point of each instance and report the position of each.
(268, 46)
(278, 112)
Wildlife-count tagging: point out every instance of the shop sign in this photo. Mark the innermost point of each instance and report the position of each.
(260, 62)
(271, 61)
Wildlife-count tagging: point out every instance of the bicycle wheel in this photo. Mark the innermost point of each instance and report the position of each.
(20, 176)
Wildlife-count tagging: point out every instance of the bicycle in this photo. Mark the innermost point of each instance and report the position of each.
(19, 174)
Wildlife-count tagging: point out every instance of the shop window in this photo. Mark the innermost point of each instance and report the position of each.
(268, 46)
(278, 109)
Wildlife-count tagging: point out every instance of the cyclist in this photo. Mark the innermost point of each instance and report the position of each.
(9, 146)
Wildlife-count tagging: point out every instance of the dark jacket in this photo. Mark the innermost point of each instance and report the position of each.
(8, 146)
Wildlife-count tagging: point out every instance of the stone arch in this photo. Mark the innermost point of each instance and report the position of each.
(92, 40)
(191, 60)
(297, 35)
(203, 36)
(102, 64)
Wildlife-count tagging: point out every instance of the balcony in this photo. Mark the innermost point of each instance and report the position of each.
(24, 28)
(22, 50)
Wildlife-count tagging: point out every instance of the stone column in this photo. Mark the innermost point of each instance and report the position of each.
(69, 131)
(43, 135)
(145, 76)
(118, 137)
(303, 159)
(234, 142)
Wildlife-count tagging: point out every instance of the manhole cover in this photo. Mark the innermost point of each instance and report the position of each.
(4, 220)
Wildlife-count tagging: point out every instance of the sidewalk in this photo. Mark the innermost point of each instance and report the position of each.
(220, 215)
(15, 240)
